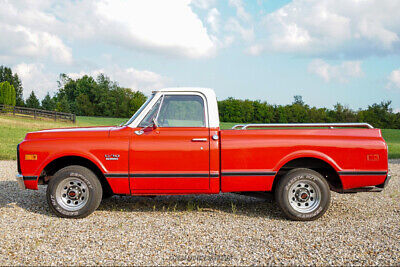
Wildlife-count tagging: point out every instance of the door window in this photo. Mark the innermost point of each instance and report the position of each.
(182, 111)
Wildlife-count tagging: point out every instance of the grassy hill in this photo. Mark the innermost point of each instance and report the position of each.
(14, 129)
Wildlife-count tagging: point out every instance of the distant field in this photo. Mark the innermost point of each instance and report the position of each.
(14, 129)
(392, 137)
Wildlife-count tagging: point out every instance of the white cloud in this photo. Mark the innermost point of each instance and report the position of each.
(203, 4)
(341, 73)
(255, 49)
(164, 26)
(233, 25)
(35, 78)
(394, 79)
(22, 37)
(342, 28)
(40, 29)
(213, 19)
(142, 80)
(240, 11)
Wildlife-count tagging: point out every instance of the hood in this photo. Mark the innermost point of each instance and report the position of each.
(76, 132)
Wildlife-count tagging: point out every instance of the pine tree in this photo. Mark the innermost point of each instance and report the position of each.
(32, 101)
(63, 105)
(48, 103)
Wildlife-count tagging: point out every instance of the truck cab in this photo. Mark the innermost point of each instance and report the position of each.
(175, 142)
(173, 145)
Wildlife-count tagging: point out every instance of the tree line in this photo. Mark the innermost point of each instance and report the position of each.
(380, 115)
(99, 96)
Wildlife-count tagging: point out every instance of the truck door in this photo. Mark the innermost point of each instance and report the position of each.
(172, 157)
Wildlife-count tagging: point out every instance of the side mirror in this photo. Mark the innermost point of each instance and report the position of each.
(148, 128)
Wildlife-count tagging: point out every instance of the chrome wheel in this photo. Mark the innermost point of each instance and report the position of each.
(72, 194)
(304, 196)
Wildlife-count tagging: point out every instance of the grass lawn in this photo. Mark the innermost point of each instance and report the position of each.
(392, 138)
(14, 129)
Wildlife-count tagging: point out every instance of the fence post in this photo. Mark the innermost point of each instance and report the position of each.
(74, 118)
(34, 113)
(14, 111)
(55, 116)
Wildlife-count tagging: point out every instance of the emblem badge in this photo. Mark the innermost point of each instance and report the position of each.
(111, 156)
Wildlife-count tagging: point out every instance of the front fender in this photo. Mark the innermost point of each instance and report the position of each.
(56, 156)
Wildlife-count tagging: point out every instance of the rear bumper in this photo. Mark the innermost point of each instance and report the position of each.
(386, 182)
(376, 188)
(20, 180)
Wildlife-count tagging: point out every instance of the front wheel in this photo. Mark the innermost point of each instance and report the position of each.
(303, 195)
(74, 192)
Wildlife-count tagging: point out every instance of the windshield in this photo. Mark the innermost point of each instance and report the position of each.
(139, 111)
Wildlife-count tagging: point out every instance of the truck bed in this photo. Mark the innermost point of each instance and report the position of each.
(250, 159)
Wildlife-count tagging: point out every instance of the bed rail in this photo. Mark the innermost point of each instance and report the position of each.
(300, 125)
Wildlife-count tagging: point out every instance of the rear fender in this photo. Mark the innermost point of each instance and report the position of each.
(306, 154)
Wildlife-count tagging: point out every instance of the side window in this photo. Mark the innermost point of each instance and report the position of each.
(182, 111)
(152, 114)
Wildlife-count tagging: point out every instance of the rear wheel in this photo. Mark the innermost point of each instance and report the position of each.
(303, 195)
(74, 192)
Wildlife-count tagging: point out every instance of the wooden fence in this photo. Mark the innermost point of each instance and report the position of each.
(37, 113)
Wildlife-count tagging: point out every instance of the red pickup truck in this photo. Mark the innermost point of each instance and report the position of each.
(173, 145)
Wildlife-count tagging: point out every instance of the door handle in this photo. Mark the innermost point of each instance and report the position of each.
(199, 140)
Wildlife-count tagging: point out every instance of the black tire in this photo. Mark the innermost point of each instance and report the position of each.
(83, 182)
(297, 202)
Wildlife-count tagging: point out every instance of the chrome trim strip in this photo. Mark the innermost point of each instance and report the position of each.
(116, 175)
(199, 140)
(170, 175)
(330, 125)
(248, 173)
(30, 178)
(161, 175)
(362, 173)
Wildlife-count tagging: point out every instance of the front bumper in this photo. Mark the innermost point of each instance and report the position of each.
(20, 180)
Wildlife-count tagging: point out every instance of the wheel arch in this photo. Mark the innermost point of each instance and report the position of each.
(58, 163)
(317, 162)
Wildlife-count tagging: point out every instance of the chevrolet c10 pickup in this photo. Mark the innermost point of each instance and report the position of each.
(173, 145)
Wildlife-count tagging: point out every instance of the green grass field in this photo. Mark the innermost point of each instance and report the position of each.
(14, 129)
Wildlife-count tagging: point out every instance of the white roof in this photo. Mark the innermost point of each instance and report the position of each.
(209, 95)
(205, 91)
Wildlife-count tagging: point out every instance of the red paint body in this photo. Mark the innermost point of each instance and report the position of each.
(166, 161)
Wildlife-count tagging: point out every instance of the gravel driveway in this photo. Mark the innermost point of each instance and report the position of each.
(361, 228)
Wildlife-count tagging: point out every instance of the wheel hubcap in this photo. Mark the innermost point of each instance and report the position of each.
(304, 196)
(72, 194)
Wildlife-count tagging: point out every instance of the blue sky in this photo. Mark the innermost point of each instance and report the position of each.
(345, 51)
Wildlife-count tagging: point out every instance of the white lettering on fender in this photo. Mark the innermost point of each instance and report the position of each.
(111, 156)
